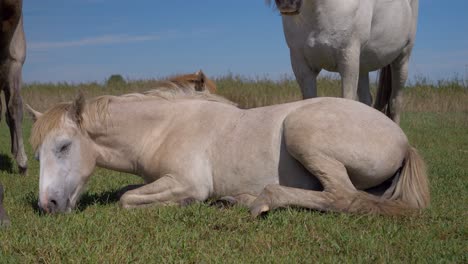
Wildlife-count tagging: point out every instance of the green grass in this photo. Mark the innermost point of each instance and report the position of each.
(100, 231)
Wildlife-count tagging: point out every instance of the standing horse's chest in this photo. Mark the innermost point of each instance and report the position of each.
(321, 48)
(319, 45)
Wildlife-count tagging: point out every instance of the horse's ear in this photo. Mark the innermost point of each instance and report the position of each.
(201, 78)
(35, 115)
(76, 110)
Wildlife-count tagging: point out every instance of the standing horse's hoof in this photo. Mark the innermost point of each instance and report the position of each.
(23, 170)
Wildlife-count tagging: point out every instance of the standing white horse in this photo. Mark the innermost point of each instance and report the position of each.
(352, 37)
(197, 146)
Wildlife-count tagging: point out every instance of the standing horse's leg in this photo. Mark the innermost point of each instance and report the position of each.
(399, 77)
(348, 67)
(363, 89)
(167, 190)
(305, 76)
(14, 115)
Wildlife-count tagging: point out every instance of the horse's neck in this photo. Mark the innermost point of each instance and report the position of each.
(123, 138)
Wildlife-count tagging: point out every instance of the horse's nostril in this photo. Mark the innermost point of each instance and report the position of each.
(52, 206)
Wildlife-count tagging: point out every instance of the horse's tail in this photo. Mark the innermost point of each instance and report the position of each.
(413, 186)
(409, 191)
(384, 90)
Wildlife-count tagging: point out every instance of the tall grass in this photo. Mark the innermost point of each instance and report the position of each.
(423, 96)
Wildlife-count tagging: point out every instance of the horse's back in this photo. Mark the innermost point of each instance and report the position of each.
(370, 145)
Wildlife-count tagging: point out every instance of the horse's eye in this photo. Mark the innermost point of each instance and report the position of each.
(64, 148)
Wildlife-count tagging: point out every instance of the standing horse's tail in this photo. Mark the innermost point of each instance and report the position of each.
(413, 186)
(384, 90)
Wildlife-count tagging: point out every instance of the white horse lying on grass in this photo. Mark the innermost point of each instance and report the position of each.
(320, 153)
(352, 37)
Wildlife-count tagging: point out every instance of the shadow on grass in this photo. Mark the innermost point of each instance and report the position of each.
(86, 200)
(6, 163)
(104, 198)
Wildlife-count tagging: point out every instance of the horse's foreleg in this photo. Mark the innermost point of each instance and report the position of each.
(363, 89)
(399, 77)
(14, 115)
(305, 76)
(348, 67)
(165, 191)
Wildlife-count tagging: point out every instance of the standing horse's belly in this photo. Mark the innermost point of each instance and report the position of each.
(322, 51)
(376, 56)
(390, 34)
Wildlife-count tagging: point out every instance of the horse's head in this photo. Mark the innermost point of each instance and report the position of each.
(197, 81)
(288, 7)
(65, 153)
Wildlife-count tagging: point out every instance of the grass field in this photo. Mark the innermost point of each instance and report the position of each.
(436, 122)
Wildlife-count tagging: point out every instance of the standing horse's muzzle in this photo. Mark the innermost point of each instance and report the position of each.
(289, 7)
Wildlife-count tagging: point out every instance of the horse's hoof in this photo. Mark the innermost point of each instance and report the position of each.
(223, 202)
(259, 210)
(23, 170)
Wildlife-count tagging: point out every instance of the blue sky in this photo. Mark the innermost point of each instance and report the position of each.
(88, 40)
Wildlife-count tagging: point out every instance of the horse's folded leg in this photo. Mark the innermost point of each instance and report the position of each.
(259, 208)
(241, 199)
(165, 191)
(223, 202)
(127, 188)
(276, 196)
